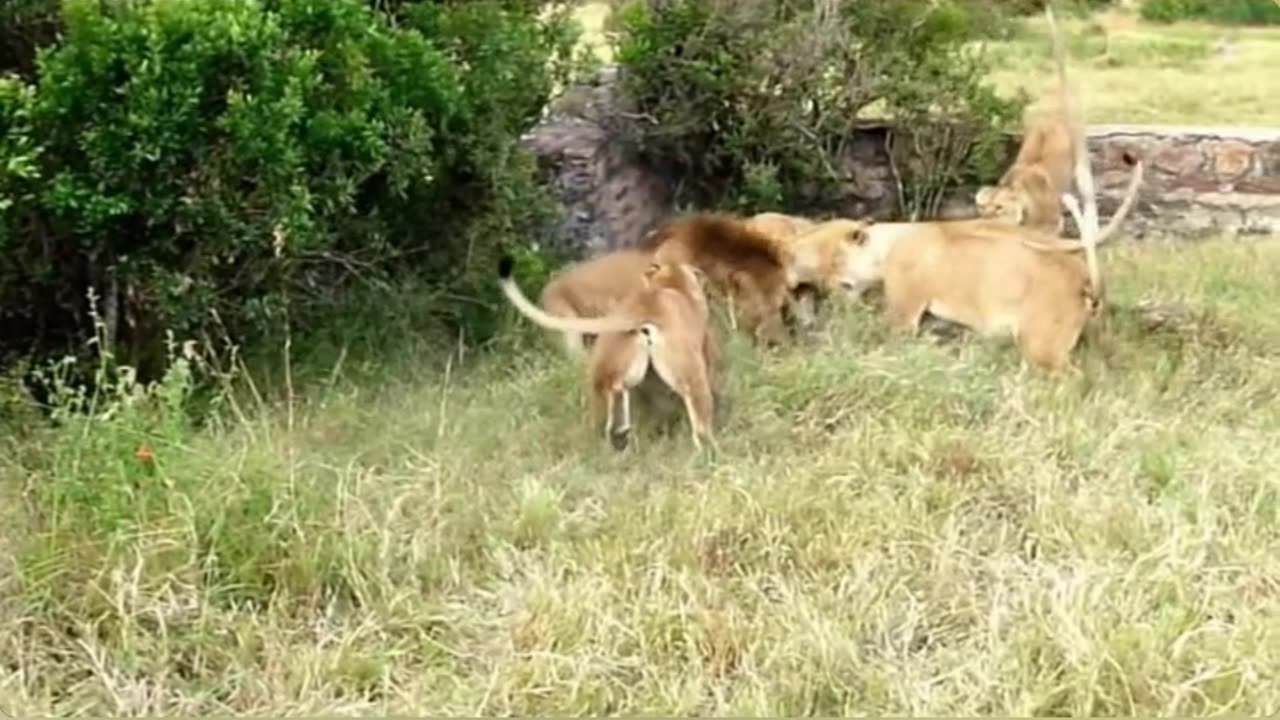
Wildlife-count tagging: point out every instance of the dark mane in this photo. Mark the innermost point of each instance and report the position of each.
(721, 236)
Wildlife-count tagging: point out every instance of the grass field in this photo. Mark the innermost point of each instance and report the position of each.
(889, 526)
(1129, 70)
(1134, 72)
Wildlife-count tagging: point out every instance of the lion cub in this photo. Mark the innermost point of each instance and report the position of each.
(663, 326)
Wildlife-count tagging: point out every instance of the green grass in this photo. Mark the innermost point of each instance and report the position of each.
(1135, 72)
(889, 526)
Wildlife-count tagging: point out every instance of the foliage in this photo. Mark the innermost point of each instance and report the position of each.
(19, 154)
(105, 473)
(754, 103)
(1034, 7)
(1227, 12)
(24, 26)
(230, 166)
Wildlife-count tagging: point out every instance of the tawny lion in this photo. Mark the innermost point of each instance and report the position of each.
(592, 288)
(663, 326)
(741, 264)
(1000, 278)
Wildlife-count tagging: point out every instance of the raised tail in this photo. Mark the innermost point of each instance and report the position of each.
(1131, 194)
(1088, 220)
(1047, 244)
(593, 326)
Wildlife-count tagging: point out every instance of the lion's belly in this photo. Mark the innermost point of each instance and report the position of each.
(1001, 322)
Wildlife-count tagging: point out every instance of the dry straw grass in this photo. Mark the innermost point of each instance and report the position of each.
(890, 526)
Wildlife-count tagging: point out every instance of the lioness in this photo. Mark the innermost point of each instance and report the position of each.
(592, 288)
(779, 227)
(997, 277)
(662, 326)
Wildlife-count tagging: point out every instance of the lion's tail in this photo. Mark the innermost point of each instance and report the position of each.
(1130, 194)
(593, 326)
(1088, 220)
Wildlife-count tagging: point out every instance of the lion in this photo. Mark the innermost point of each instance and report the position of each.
(820, 260)
(997, 277)
(823, 256)
(866, 270)
(982, 276)
(591, 288)
(663, 326)
(1029, 192)
(779, 227)
(741, 264)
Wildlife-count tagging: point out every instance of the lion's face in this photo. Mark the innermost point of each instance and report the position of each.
(1000, 203)
(854, 257)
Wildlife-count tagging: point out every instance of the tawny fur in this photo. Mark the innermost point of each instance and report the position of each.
(779, 227)
(663, 328)
(867, 269)
(823, 255)
(741, 264)
(1000, 278)
(982, 276)
(821, 260)
(1030, 191)
(592, 288)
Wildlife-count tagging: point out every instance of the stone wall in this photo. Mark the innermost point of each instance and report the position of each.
(1199, 181)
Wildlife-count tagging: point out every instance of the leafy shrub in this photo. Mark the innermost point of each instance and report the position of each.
(1035, 7)
(19, 153)
(1227, 12)
(753, 102)
(216, 165)
(24, 26)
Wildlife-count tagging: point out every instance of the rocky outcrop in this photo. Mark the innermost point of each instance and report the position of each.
(609, 197)
(1199, 181)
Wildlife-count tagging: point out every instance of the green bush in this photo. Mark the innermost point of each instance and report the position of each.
(753, 102)
(227, 165)
(1035, 7)
(1227, 12)
(24, 26)
(19, 152)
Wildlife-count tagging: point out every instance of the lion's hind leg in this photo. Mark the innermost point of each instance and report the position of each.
(684, 370)
(620, 361)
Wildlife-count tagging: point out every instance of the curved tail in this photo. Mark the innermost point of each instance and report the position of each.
(593, 326)
(1068, 200)
(1088, 217)
(1130, 194)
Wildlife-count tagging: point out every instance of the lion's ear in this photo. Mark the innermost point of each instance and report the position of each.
(858, 234)
(984, 195)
